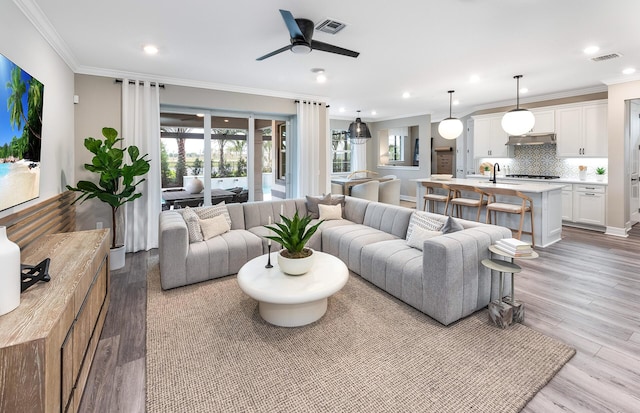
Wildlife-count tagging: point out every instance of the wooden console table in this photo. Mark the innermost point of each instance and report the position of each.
(47, 344)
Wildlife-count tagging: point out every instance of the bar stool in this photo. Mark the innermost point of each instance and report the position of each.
(521, 209)
(458, 201)
(431, 197)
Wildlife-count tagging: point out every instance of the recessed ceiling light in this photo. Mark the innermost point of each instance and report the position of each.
(591, 50)
(321, 78)
(341, 110)
(200, 115)
(226, 121)
(474, 79)
(406, 95)
(150, 49)
(629, 70)
(374, 113)
(456, 102)
(524, 90)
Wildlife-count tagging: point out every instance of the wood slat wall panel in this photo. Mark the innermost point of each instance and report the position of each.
(53, 215)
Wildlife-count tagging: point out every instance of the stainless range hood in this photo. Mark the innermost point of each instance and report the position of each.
(533, 139)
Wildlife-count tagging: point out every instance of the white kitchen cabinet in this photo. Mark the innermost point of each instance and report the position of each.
(545, 121)
(589, 202)
(489, 138)
(567, 203)
(582, 130)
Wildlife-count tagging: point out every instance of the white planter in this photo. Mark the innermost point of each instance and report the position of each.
(116, 258)
(295, 266)
(599, 178)
(10, 280)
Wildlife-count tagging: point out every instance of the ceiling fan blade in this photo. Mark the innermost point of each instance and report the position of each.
(275, 52)
(290, 21)
(325, 47)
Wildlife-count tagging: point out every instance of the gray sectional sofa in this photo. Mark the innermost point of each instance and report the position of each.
(445, 280)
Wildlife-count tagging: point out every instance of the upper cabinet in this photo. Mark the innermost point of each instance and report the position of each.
(489, 138)
(545, 121)
(582, 130)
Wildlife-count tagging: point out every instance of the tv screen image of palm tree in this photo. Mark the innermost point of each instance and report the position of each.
(21, 100)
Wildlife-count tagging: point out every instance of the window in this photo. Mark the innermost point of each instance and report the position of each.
(396, 148)
(341, 151)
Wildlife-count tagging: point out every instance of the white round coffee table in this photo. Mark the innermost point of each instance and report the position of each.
(292, 300)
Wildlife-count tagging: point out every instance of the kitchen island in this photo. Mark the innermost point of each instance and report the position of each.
(547, 206)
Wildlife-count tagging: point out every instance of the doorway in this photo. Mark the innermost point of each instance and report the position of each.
(634, 160)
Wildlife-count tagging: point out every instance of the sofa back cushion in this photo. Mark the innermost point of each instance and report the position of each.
(258, 213)
(391, 219)
(236, 212)
(355, 208)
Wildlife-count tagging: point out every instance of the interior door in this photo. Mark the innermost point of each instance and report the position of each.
(634, 136)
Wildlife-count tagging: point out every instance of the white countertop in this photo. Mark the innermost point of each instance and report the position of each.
(590, 180)
(531, 186)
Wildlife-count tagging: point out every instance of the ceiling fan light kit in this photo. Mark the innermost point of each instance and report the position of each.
(518, 121)
(359, 132)
(301, 38)
(450, 128)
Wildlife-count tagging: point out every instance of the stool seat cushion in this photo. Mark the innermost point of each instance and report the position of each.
(500, 206)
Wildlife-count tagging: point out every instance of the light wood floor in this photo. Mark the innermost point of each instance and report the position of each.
(584, 291)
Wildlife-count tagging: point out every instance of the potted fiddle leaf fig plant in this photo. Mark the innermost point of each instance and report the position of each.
(293, 234)
(117, 182)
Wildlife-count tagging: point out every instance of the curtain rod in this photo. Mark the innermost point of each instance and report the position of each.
(133, 82)
(309, 103)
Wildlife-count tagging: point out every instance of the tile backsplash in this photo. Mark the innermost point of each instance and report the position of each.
(542, 160)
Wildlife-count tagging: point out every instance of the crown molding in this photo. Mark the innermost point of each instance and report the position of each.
(619, 80)
(96, 71)
(34, 14)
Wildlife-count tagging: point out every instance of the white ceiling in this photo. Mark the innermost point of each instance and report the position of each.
(425, 47)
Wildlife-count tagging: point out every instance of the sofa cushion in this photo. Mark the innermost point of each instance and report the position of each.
(419, 235)
(424, 220)
(213, 211)
(346, 242)
(212, 227)
(452, 225)
(193, 225)
(396, 268)
(330, 212)
(314, 201)
(391, 219)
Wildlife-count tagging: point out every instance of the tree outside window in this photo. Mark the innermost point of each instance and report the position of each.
(341, 151)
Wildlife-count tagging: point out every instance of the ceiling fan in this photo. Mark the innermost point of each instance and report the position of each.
(301, 33)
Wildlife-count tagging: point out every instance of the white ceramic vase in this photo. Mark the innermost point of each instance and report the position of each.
(10, 279)
(295, 266)
(195, 186)
(116, 258)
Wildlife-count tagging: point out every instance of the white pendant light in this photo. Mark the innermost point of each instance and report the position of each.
(450, 128)
(518, 121)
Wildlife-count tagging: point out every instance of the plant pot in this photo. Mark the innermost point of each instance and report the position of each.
(295, 266)
(116, 258)
(599, 178)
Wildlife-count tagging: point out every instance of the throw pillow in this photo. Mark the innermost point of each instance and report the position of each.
(214, 211)
(328, 212)
(451, 226)
(193, 224)
(423, 220)
(419, 236)
(314, 201)
(213, 227)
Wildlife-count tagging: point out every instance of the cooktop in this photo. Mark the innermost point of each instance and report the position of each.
(532, 176)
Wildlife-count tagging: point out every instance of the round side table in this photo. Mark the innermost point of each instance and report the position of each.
(505, 312)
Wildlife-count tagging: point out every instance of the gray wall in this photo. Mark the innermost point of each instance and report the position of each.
(408, 190)
(22, 43)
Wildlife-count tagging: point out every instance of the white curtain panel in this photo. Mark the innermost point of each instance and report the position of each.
(358, 156)
(141, 127)
(308, 138)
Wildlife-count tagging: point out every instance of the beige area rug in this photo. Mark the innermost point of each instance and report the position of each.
(208, 350)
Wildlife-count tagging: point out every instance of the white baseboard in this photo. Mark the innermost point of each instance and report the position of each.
(618, 232)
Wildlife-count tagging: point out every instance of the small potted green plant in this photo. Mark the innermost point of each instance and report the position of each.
(600, 173)
(293, 234)
(116, 185)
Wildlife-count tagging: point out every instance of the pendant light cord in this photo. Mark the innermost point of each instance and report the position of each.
(517, 77)
(450, 101)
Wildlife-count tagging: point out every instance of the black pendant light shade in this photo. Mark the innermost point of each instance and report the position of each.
(359, 131)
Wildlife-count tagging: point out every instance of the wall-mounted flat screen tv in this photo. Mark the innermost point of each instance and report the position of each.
(21, 97)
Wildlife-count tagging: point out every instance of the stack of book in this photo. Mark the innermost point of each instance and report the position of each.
(515, 247)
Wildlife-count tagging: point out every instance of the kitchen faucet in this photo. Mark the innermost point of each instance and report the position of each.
(495, 165)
